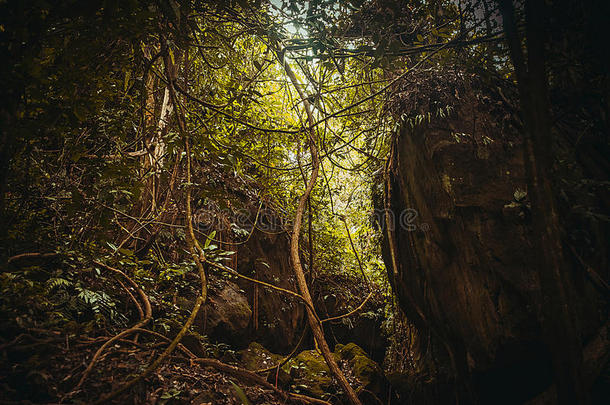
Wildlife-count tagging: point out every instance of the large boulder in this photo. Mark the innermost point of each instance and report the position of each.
(369, 375)
(280, 318)
(465, 262)
(256, 357)
(226, 314)
(307, 372)
(310, 374)
(461, 258)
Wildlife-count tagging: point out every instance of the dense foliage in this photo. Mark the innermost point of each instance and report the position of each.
(161, 138)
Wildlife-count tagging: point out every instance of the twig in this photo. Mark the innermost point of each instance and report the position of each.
(334, 318)
(135, 301)
(126, 332)
(287, 358)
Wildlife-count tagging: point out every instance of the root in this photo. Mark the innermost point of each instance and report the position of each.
(183, 348)
(154, 365)
(251, 376)
(287, 358)
(123, 334)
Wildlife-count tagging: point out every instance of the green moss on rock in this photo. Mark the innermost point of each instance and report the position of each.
(310, 373)
(256, 357)
(368, 373)
(349, 351)
(307, 373)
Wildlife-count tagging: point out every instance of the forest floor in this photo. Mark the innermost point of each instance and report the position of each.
(44, 367)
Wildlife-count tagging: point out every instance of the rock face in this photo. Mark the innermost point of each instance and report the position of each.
(462, 246)
(279, 318)
(226, 316)
(464, 266)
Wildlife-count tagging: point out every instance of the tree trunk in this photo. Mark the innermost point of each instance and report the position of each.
(555, 303)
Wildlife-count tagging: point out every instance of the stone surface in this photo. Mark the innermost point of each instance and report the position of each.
(226, 315)
(466, 274)
(310, 374)
(280, 318)
(307, 372)
(367, 372)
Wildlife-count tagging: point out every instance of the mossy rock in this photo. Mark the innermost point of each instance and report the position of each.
(307, 373)
(256, 357)
(310, 374)
(368, 373)
(349, 351)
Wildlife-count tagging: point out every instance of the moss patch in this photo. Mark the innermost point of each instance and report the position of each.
(307, 373)
(368, 373)
(310, 374)
(256, 357)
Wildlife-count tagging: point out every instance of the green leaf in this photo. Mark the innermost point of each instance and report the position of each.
(209, 239)
(127, 77)
(240, 394)
(126, 252)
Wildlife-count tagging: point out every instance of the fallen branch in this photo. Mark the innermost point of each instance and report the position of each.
(239, 372)
(30, 259)
(154, 365)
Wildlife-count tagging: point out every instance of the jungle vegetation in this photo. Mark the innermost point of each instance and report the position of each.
(146, 144)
